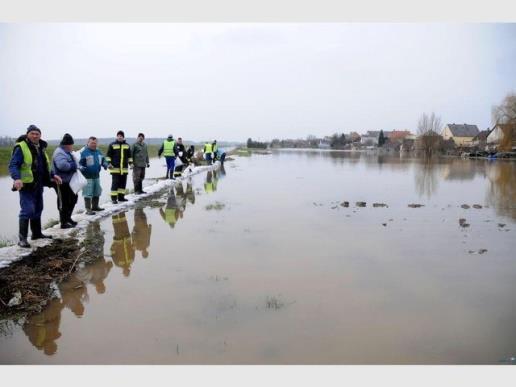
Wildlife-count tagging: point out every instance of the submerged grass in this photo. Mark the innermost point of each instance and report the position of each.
(215, 206)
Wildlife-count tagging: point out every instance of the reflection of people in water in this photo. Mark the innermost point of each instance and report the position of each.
(222, 171)
(98, 273)
(95, 234)
(190, 194)
(43, 329)
(141, 232)
(122, 250)
(172, 211)
(180, 198)
(210, 184)
(73, 294)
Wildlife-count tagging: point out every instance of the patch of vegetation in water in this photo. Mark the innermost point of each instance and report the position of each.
(215, 206)
(4, 241)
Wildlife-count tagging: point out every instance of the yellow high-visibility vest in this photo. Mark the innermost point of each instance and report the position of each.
(168, 148)
(26, 167)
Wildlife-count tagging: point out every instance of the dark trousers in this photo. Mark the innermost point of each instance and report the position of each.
(171, 161)
(118, 183)
(66, 200)
(31, 203)
(138, 177)
(178, 171)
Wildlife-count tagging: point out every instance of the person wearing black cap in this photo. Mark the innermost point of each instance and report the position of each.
(119, 157)
(29, 167)
(64, 166)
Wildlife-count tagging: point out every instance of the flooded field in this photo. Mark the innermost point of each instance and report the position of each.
(264, 262)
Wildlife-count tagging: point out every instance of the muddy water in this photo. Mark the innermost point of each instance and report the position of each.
(276, 271)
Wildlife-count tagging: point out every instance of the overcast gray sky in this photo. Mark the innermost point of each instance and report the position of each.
(233, 81)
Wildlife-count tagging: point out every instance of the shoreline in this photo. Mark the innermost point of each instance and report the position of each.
(29, 277)
(10, 254)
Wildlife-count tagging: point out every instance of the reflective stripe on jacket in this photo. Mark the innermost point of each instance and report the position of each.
(28, 163)
(119, 156)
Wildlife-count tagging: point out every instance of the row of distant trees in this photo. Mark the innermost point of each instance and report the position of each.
(6, 141)
(256, 144)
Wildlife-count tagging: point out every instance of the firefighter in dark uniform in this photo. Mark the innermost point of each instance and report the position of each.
(119, 158)
(122, 250)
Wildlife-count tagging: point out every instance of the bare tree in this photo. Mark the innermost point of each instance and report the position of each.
(428, 129)
(504, 115)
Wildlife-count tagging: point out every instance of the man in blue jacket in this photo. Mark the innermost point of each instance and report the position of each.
(64, 166)
(90, 163)
(30, 169)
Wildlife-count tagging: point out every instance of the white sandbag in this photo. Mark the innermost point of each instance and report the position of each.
(77, 182)
(178, 162)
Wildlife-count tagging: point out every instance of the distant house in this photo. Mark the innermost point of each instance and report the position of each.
(371, 137)
(502, 137)
(480, 140)
(354, 137)
(324, 144)
(407, 145)
(399, 135)
(461, 134)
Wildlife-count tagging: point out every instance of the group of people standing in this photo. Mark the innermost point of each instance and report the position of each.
(31, 170)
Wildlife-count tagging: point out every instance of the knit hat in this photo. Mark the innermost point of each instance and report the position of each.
(67, 139)
(170, 136)
(33, 128)
(120, 132)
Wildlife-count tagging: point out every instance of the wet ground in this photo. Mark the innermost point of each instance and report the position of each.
(263, 263)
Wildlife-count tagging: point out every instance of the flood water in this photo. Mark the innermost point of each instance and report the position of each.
(260, 264)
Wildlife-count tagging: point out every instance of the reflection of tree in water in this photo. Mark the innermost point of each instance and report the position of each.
(501, 192)
(426, 177)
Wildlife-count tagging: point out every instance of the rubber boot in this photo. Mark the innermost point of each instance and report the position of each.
(87, 205)
(69, 218)
(64, 221)
(95, 204)
(23, 232)
(114, 199)
(166, 176)
(35, 227)
(137, 188)
(121, 198)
